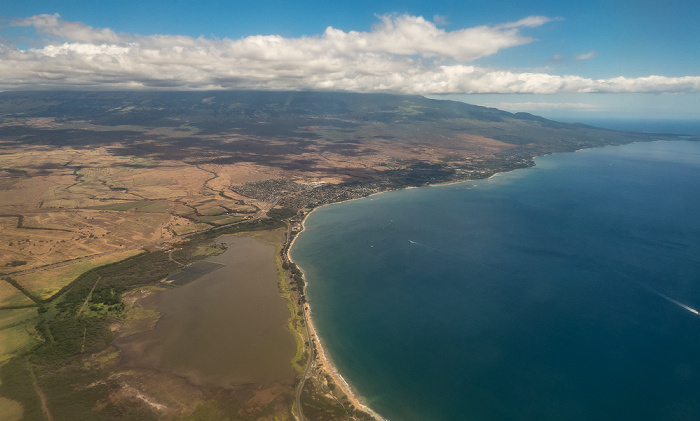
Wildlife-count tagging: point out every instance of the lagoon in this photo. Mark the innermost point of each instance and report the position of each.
(223, 329)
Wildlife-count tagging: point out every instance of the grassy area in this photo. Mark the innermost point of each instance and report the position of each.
(11, 410)
(16, 385)
(11, 297)
(17, 333)
(211, 210)
(320, 403)
(294, 324)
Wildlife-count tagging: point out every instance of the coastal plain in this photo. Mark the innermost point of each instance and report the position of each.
(105, 195)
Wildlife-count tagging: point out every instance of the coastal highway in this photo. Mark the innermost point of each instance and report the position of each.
(308, 366)
(300, 414)
(300, 388)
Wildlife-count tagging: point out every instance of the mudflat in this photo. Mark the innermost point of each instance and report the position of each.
(225, 328)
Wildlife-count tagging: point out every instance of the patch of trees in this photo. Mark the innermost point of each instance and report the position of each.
(281, 213)
(297, 276)
(420, 173)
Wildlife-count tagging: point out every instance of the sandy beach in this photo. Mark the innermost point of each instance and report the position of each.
(323, 362)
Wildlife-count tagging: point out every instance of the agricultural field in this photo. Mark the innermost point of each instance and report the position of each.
(62, 204)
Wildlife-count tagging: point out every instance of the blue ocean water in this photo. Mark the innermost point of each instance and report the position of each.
(646, 125)
(566, 291)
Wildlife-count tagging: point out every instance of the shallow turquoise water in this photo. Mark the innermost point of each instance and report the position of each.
(550, 293)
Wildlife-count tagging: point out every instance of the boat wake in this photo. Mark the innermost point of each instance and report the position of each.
(679, 304)
(676, 302)
(443, 252)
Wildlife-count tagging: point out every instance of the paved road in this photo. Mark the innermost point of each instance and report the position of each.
(308, 366)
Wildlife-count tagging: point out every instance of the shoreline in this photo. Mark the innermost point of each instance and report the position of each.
(328, 366)
(331, 369)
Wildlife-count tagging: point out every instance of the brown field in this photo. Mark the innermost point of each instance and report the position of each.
(78, 203)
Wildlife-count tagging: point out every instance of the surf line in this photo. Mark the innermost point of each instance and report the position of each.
(678, 303)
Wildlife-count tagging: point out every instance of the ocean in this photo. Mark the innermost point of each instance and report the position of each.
(565, 291)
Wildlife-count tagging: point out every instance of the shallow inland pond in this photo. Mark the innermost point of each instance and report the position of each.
(226, 328)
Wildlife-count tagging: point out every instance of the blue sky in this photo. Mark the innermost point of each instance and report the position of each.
(614, 58)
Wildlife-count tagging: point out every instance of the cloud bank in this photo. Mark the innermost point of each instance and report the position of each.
(401, 54)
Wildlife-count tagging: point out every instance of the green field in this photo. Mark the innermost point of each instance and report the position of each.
(17, 333)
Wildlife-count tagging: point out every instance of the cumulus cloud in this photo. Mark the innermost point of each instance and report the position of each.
(54, 26)
(413, 35)
(402, 54)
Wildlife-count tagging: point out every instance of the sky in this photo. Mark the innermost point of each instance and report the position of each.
(637, 59)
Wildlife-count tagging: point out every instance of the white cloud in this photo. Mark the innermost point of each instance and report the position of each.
(440, 20)
(53, 25)
(530, 22)
(413, 35)
(557, 58)
(586, 56)
(402, 53)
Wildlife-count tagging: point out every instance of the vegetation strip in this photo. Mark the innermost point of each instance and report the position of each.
(18, 307)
